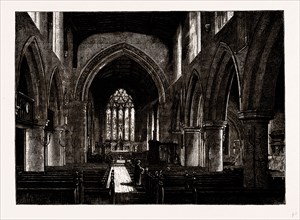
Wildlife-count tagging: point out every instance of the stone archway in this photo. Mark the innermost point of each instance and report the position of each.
(195, 151)
(101, 59)
(55, 148)
(77, 150)
(262, 64)
(262, 67)
(57, 87)
(34, 141)
(32, 54)
(223, 69)
(194, 101)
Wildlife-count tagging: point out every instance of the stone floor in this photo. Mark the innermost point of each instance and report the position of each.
(123, 182)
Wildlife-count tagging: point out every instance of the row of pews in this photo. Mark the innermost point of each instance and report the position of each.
(187, 185)
(68, 185)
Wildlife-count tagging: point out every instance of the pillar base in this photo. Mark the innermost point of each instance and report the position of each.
(255, 148)
(192, 143)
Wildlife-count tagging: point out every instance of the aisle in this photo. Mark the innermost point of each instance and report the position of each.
(123, 183)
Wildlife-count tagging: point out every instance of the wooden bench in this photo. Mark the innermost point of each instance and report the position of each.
(185, 188)
(44, 188)
(63, 187)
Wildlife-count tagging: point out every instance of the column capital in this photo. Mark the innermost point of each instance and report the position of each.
(60, 127)
(256, 115)
(40, 124)
(192, 130)
(214, 124)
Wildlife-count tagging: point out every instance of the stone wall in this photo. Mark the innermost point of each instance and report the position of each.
(152, 46)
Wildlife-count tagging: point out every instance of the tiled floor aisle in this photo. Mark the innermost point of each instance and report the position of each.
(123, 182)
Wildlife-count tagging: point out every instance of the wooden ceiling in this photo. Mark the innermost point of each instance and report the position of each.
(160, 24)
(129, 75)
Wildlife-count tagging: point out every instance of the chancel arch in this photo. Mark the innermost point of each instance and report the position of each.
(101, 59)
(124, 104)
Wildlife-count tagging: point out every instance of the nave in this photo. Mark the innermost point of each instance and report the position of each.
(160, 184)
(198, 97)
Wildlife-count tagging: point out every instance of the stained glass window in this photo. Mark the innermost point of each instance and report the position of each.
(120, 116)
(108, 123)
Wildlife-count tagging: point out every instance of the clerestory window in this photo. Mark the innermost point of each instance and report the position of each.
(120, 117)
(221, 18)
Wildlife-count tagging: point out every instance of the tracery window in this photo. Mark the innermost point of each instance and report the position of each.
(120, 117)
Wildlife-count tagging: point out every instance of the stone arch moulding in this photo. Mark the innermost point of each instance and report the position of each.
(55, 76)
(194, 97)
(96, 63)
(219, 82)
(266, 52)
(32, 53)
(233, 118)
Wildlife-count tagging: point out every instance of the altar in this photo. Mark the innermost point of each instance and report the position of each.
(122, 146)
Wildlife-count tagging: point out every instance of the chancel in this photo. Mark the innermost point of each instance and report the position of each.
(169, 107)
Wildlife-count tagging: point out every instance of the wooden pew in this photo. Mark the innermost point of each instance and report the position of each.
(41, 188)
(185, 188)
(63, 187)
(93, 187)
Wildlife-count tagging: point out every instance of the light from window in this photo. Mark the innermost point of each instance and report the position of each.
(120, 117)
(35, 16)
(221, 18)
(195, 35)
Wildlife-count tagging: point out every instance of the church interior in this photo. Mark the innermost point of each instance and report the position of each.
(160, 107)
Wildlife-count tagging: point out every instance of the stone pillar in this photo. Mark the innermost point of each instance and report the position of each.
(76, 148)
(202, 150)
(58, 35)
(192, 143)
(255, 148)
(34, 153)
(55, 148)
(214, 144)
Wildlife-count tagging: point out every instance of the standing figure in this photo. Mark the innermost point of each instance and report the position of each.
(138, 171)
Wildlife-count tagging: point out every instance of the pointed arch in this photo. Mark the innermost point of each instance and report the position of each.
(56, 84)
(262, 64)
(194, 101)
(96, 63)
(31, 52)
(222, 70)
